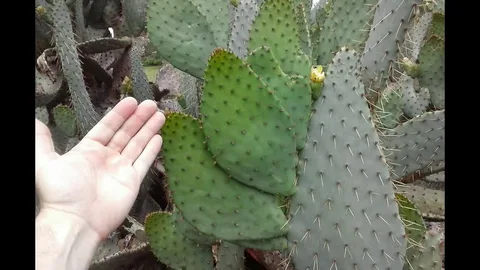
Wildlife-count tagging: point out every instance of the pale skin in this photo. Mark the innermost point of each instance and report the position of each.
(86, 193)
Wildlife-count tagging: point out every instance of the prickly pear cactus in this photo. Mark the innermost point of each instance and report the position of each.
(248, 154)
(277, 137)
(198, 186)
(389, 106)
(169, 245)
(256, 118)
(345, 202)
(65, 120)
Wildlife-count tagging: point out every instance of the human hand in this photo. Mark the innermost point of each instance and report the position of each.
(99, 179)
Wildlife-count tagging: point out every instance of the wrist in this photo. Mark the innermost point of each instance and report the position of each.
(63, 241)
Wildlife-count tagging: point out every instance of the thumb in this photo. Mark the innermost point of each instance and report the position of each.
(44, 149)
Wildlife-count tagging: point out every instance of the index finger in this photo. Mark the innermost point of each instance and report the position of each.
(104, 130)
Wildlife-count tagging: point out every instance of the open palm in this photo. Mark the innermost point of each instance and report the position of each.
(98, 180)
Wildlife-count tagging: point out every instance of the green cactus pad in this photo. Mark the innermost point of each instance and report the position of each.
(416, 144)
(430, 202)
(414, 103)
(412, 219)
(303, 30)
(411, 69)
(344, 214)
(300, 108)
(191, 232)
(432, 70)
(437, 27)
(347, 24)
(208, 199)
(230, 256)
(392, 19)
(247, 130)
(216, 12)
(245, 13)
(135, 13)
(65, 120)
(187, 229)
(428, 256)
(276, 243)
(294, 93)
(174, 249)
(275, 27)
(265, 66)
(234, 3)
(389, 106)
(317, 19)
(183, 34)
(319, 12)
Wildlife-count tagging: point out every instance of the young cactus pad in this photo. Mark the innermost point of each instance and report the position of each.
(276, 243)
(294, 92)
(414, 103)
(344, 214)
(173, 248)
(275, 26)
(211, 201)
(303, 29)
(432, 70)
(389, 106)
(247, 130)
(187, 229)
(65, 120)
(412, 219)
